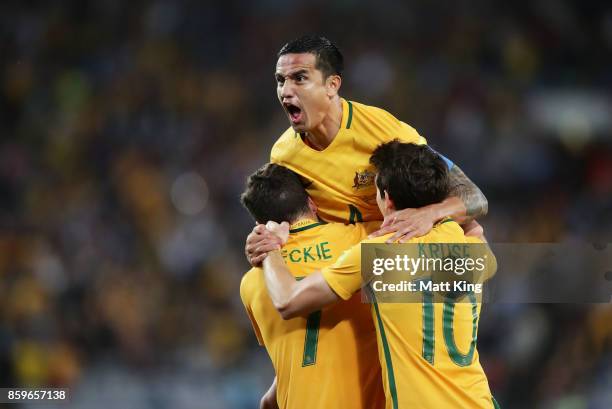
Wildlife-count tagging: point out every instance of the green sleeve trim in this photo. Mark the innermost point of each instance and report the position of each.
(495, 404)
(310, 226)
(354, 215)
(387, 351)
(350, 115)
(311, 339)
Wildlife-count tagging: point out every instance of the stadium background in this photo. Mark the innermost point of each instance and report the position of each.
(127, 131)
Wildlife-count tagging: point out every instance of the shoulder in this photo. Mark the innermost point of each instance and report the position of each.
(378, 240)
(351, 233)
(249, 283)
(453, 229)
(283, 144)
(383, 125)
(372, 113)
(446, 232)
(340, 228)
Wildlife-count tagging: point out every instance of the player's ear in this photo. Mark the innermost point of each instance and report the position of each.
(312, 206)
(333, 83)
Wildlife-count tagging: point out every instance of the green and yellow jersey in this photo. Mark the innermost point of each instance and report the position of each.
(328, 359)
(340, 178)
(427, 351)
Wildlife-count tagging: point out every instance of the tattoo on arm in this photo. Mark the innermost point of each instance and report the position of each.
(475, 202)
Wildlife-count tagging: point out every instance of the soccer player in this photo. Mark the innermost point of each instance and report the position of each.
(427, 351)
(329, 144)
(327, 359)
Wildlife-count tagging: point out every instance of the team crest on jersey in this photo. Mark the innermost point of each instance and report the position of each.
(363, 179)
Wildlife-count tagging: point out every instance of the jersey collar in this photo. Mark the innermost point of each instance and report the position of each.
(304, 224)
(347, 114)
(445, 220)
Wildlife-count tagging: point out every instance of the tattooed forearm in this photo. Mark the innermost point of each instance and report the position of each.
(475, 202)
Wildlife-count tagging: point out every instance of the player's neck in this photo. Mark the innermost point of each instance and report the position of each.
(387, 211)
(305, 217)
(323, 135)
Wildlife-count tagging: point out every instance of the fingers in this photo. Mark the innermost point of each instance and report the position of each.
(272, 225)
(266, 247)
(256, 261)
(409, 235)
(392, 219)
(403, 235)
(261, 252)
(259, 228)
(389, 220)
(258, 244)
(393, 228)
(255, 238)
(382, 231)
(254, 242)
(256, 234)
(400, 229)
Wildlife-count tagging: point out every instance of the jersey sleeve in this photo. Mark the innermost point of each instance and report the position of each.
(490, 260)
(282, 147)
(370, 227)
(409, 135)
(344, 276)
(446, 160)
(358, 232)
(245, 295)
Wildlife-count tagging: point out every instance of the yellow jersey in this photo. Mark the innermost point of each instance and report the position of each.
(340, 178)
(329, 359)
(427, 351)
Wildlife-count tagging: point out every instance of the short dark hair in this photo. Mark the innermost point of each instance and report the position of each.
(275, 193)
(413, 175)
(329, 57)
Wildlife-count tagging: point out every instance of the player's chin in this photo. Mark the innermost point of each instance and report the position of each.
(298, 127)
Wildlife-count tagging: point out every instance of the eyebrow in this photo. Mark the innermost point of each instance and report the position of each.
(292, 74)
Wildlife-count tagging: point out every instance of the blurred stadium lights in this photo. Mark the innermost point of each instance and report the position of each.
(573, 115)
(189, 193)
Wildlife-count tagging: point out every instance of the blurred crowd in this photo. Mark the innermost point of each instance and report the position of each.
(127, 132)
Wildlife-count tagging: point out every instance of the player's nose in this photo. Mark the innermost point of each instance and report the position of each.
(286, 91)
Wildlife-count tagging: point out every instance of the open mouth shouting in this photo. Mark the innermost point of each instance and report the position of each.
(295, 113)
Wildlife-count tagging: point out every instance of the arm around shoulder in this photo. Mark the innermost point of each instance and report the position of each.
(293, 298)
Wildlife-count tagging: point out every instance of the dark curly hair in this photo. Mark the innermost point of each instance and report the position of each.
(329, 57)
(413, 175)
(275, 193)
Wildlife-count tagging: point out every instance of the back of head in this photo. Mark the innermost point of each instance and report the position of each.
(413, 175)
(329, 57)
(275, 193)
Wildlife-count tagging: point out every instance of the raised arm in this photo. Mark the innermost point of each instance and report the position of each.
(474, 203)
(293, 298)
(290, 297)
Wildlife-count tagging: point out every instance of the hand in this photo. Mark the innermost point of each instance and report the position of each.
(259, 242)
(474, 229)
(407, 223)
(280, 230)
